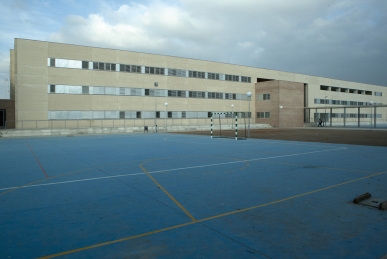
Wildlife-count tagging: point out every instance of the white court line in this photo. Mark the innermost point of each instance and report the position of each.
(175, 169)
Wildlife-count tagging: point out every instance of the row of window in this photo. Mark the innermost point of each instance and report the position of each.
(105, 90)
(88, 115)
(65, 63)
(341, 102)
(348, 90)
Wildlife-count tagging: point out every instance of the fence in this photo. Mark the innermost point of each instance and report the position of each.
(349, 116)
(162, 124)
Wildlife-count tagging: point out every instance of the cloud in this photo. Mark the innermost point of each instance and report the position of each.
(331, 38)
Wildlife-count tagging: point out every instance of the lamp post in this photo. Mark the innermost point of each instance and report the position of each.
(279, 123)
(371, 103)
(166, 116)
(249, 95)
(325, 113)
(232, 116)
(156, 85)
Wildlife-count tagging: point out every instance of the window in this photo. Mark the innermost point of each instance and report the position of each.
(146, 91)
(209, 114)
(157, 114)
(176, 72)
(138, 115)
(230, 96)
(344, 102)
(169, 114)
(213, 76)
(324, 87)
(196, 74)
(232, 78)
(52, 62)
(183, 115)
(176, 93)
(263, 115)
(52, 88)
(154, 70)
(246, 79)
(122, 115)
(85, 90)
(266, 96)
(352, 103)
(212, 95)
(378, 94)
(101, 66)
(85, 64)
(336, 102)
(196, 94)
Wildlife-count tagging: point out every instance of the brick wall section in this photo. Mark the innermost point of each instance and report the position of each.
(9, 107)
(289, 95)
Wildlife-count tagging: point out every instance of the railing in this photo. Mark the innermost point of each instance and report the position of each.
(162, 124)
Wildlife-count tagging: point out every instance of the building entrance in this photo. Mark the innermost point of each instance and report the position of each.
(2, 119)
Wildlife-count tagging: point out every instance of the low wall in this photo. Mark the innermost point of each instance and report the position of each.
(63, 132)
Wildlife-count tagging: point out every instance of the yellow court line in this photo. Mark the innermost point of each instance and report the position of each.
(206, 219)
(167, 193)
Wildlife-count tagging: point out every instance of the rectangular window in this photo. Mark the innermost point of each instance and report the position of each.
(85, 90)
(52, 62)
(213, 76)
(122, 115)
(378, 94)
(157, 114)
(344, 102)
(101, 66)
(113, 67)
(183, 114)
(317, 101)
(52, 88)
(138, 115)
(95, 65)
(169, 114)
(196, 74)
(154, 70)
(266, 96)
(246, 79)
(263, 115)
(85, 64)
(107, 66)
(209, 114)
(146, 91)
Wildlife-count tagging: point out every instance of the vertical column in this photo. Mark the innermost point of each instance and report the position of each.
(358, 117)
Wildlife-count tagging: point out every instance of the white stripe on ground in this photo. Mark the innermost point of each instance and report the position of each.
(168, 170)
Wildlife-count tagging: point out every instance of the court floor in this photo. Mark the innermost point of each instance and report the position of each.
(183, 196)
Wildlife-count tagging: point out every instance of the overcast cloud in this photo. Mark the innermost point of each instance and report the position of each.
(342, 39)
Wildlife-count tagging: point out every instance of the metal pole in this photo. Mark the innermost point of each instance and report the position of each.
(330, 118)
(358, 117)
(345, 115)
(374, 116)
(211, 125)
(236, 127)
(220, 126)
(249, 117)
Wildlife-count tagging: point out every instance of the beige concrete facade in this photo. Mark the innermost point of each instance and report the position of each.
(32, 75)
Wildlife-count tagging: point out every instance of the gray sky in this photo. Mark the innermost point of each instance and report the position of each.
(342, 39)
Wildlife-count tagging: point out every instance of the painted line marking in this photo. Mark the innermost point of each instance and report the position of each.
(168, 194)
(175, 169)
(37, 160)
(205, 219)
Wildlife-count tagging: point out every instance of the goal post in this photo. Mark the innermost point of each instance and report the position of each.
(216, 116)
